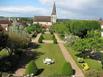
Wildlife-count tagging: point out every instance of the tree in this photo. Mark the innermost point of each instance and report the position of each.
(17, 40)
(88, 44)
(34, 28)
(76, 27)
(94, 34)
(82, 26)
(3, 40)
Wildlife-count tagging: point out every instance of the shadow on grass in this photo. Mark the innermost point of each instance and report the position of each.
(39, 71)
(33, 46)
(11, 63)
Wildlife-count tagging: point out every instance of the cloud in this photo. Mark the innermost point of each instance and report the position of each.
(23, 10)
(77, 8)
(86, 9)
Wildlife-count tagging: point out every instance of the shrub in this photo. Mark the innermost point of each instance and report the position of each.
(93, 73)
(33, 28)
(19, 38)
(77, 27)
(41, 38)
(4, 52)
(31, 68)
(3, 40)
(55, 40)
(67, 69)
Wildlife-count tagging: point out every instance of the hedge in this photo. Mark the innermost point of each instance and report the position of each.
(67, 70)
(31, 68)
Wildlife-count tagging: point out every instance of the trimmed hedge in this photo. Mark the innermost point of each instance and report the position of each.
(31, 68)
(41, 38)
(67, 69)
(54, 39)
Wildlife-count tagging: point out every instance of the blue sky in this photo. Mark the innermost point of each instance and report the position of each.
(71, 9)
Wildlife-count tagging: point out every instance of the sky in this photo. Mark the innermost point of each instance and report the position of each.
(68, 9)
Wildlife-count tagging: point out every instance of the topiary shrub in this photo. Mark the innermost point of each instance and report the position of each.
(67, 70)
(31, 68)
(41, 39)
(55, 40)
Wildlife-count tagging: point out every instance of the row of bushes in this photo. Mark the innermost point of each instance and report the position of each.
(77, 27)
(42, 38)
(54, 39)
(31, 68)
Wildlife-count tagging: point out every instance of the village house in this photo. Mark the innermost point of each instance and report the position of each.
(4, 24)
(46, 20)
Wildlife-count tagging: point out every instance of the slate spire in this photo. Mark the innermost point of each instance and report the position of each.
(54, 9)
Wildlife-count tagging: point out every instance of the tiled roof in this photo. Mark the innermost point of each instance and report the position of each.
(5, 22)
(42, 19)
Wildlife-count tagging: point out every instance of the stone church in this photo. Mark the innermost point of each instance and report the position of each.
(46, 20)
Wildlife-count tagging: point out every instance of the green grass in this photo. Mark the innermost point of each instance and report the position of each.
(93, 64)
(51, 51)
(48, 36)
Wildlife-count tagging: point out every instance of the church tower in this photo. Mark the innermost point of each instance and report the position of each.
(53, 15)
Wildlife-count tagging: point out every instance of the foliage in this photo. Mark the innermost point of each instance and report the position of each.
(59, 27)
(94, 34)
(76, 27)
(29, 20)
(93, 73)
(3, 53)
(34, 28)
(80, 60)
(41, 39)
(102, 59)
(47, 36)
(31, 68)
(67, 69)
(55, 40)
(88, 44)
(92, 43)
(17, 39)
(3, 40)
(71, 39)
(79, 27)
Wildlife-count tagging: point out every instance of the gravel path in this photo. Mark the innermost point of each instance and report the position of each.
(69, 58)
(37, 38)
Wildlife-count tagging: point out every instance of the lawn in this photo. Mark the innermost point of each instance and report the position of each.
(93, 64)
(51, 51)
(48, 36)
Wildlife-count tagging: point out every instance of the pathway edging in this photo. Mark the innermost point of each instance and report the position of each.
(69, 58)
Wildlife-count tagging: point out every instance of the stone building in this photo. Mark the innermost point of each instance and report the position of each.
(4, 24)
(46, 20)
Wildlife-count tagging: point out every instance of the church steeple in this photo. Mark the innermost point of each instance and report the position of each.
(54, 15)
(54, 9)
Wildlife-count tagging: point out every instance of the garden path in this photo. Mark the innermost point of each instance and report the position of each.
(68, 57)
(37, 38)
(21, 71)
